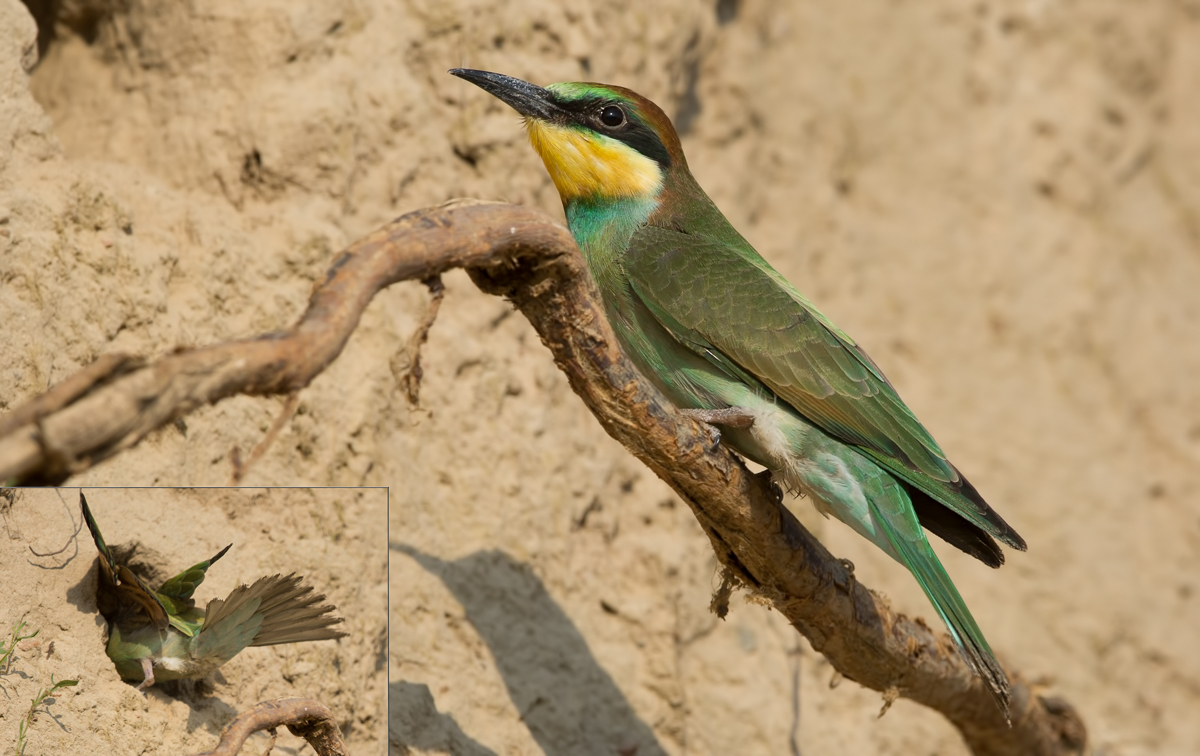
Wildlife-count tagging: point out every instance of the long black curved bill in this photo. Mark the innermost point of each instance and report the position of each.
(527, 99)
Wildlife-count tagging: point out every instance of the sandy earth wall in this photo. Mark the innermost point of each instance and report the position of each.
(999, 200)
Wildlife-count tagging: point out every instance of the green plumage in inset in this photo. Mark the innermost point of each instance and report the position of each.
(162, 634)
(723, 335)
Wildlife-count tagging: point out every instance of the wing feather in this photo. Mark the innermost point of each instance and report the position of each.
(697, 289)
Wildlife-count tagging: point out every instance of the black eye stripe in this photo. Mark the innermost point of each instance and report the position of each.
(645, 141)
(588, 113)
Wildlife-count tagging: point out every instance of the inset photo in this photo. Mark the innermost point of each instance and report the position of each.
(166, 620)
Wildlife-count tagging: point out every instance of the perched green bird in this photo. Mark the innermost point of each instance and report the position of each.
(729, 340)
(164, 629)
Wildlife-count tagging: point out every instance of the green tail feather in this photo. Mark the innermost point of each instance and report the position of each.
(101, 546)
(920, 559)
(182, 586)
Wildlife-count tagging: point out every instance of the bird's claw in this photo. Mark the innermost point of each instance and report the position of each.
(714, 433)
(714, 438)
(734, 417)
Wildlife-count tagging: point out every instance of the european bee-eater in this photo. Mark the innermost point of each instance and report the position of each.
(164, 630)
(728, 339)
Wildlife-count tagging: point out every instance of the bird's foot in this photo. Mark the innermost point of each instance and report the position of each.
(733, 417)
(713, 432)
(147, 675)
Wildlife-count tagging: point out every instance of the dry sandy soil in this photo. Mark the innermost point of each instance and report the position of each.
(1000, 200)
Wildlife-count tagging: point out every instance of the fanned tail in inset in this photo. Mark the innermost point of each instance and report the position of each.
(294, 613)
(285, 611)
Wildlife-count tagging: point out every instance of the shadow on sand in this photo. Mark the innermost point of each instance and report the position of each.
(566, 699)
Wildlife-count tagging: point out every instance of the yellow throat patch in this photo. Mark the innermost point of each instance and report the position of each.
(585, 165)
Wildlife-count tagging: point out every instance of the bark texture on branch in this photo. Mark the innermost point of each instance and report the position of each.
(304, 717)
(522, 255)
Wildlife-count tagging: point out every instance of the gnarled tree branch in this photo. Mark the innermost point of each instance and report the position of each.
(304, 717)
(522, 255)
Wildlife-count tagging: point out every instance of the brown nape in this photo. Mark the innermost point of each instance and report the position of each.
(657, 119)
(292, 612)
(954, 529)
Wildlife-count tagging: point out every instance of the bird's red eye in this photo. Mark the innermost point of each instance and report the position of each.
(612, 116)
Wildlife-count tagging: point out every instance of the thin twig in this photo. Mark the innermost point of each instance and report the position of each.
(8, 499)
(274, 733)
(520, 254)
(240, 468)
(412, 374)
(70, 539)
(304, 717)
